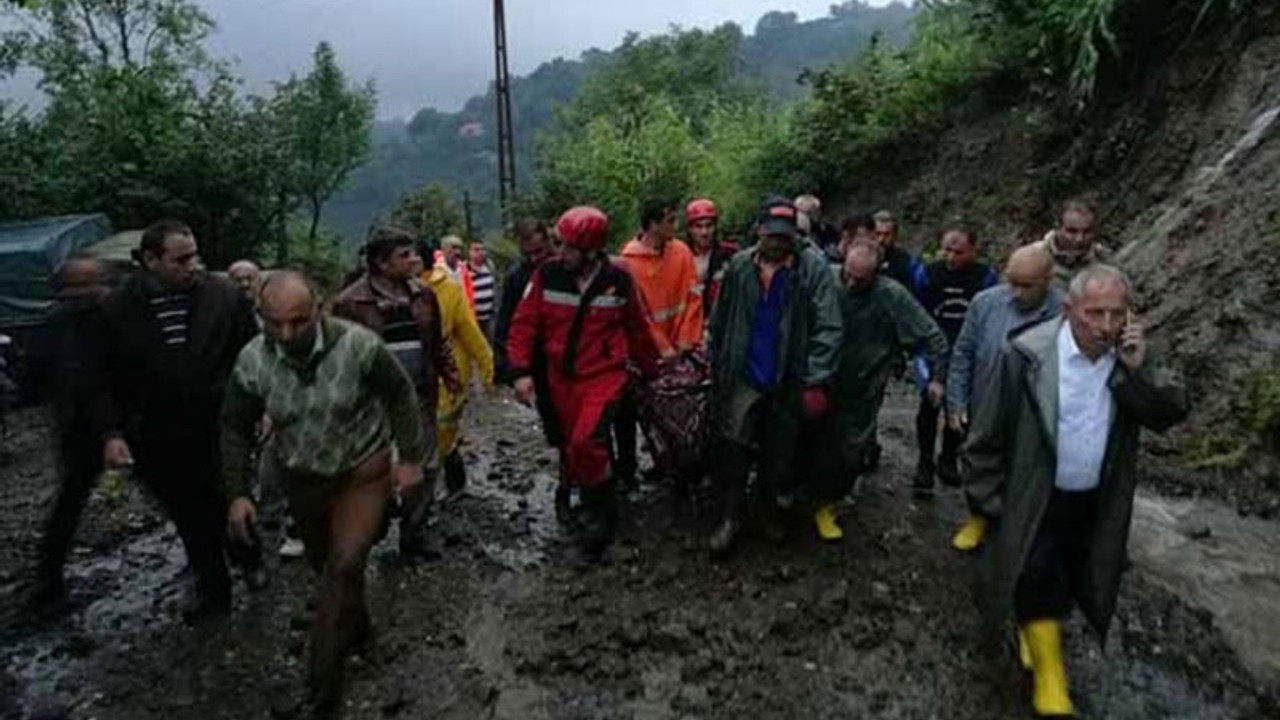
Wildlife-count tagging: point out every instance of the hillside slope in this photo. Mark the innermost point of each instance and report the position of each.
(1184, 161)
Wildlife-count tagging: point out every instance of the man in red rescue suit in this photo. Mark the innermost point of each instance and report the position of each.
(582, 312)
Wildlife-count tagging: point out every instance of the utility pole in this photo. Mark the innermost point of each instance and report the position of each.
(502, 91)
(466, 213)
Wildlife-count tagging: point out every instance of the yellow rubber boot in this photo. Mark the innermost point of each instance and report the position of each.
(825, 519)
(1024, 651)
(971, 534)
(1050, 697)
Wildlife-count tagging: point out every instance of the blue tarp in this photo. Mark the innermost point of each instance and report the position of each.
(30, 253)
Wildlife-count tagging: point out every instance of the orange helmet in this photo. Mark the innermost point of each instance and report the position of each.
(583, 227)
(700, 209)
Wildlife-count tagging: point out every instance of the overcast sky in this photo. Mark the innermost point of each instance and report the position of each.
(439, 52)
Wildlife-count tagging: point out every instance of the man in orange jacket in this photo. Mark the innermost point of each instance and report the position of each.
(666, 279)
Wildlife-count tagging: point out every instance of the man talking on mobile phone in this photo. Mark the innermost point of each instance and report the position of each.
(1052, 466)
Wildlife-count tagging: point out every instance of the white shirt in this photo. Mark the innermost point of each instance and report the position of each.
(1084, 414)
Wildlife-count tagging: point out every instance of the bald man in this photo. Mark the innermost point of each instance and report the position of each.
(245, 274)
(995, 316)
(881, 320)
(339, 404)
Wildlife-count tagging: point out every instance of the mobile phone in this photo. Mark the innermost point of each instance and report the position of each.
(1127, 345)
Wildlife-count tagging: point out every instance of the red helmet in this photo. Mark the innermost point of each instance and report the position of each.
(583, 227)
(700, 209)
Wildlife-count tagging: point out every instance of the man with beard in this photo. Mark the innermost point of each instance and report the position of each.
(896, 263)
(881, 321)
(171, 337)
(1073, 243)
(775, 344)
(339, 403)
(390, 301)
(582, 313)
(995, 316)
(1054, 458)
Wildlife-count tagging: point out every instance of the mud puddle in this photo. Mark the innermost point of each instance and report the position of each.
(507, 625)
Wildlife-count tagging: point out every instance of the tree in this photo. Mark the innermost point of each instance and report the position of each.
(432, 211)
(328, 126)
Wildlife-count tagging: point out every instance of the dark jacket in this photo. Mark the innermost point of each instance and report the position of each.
(946, 294)
(160, 390)
(513, 286)
(902, 266)
(73, 365)
(360, 303)
(721, 253)
(1012, 460)
(811, 326)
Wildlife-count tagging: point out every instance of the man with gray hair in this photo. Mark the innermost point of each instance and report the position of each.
(1053, 461)
(994, 316)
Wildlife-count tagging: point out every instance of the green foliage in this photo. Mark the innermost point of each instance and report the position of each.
(141, 123)
(327, 126)
(432, 211)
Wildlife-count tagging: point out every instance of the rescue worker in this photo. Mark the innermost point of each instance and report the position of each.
(407, 316)
(881, 320)
(1073, 242)
(583, 313)
(170, 339)
(666, 280)
(1024, 299)
(75, 342)
(775, 345)
(470, 349)
(340, 403)
(945, 288)
(1054, 462)
(896, 263)
(245, 274)
(710, 255)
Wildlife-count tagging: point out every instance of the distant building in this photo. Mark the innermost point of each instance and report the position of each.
(472, 129)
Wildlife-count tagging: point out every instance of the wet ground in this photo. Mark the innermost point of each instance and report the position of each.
(506, 624)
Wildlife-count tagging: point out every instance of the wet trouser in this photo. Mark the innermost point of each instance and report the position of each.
(339, 519)
(586, 409)
(79, 462)
(843, 441)
(415, 505)
(625, 438)
(1057, 568)
(766, 423)
(927, 421)
(180, 468)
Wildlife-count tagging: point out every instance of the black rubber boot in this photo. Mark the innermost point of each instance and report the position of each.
(922, 483)
(600, 510)
(730, 479)
(455, 473)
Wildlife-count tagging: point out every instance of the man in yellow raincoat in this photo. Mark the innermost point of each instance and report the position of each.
(470, 349)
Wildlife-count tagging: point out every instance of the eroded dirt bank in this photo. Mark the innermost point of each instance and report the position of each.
(506, 625)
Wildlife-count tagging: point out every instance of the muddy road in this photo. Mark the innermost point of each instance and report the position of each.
(505, 624)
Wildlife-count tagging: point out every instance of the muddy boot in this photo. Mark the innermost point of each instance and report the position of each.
(600, 508)
(1050, 698)
(948, 472)
(730, 480)
(564, 506)
(455, 474)
(827, 523)
(416, 508)
(971, 534)
(922, 483)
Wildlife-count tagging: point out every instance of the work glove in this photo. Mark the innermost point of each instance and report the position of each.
(814, 401)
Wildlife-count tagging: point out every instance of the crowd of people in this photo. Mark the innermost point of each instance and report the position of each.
(757, 368)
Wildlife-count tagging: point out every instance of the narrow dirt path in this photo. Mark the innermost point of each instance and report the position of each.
(506, 625)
